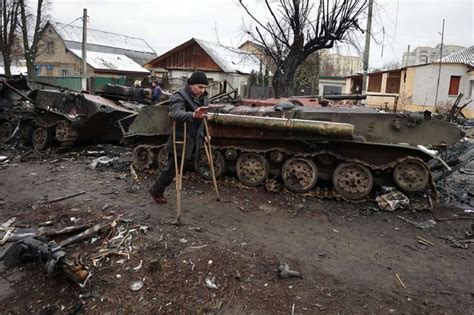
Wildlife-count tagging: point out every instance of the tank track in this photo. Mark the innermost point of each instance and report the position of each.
(415, 173)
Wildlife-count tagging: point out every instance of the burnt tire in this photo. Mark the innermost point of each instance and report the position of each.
(142, 157)
(65, 133)
(411, 175)
(160, 158)
(42, 138)
(201, 164)
(299, 174)
(252, 169)
(6, 129)
(353, 181)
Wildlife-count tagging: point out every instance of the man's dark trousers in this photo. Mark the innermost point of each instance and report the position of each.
(165, 178)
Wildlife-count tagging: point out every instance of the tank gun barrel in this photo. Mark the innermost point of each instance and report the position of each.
(314, 127)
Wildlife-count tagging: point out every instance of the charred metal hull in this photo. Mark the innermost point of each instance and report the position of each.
(70, 117)
(16, 110)
(352, 150)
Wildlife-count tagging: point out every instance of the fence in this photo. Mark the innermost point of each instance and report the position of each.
(74, 83)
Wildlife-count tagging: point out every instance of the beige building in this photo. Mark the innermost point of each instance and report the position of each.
(259, 51)
(108, 54)
(334, 64)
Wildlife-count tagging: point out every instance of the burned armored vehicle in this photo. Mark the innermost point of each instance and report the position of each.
(352, 149)
(55, 115)
(16, 110)
(69, 117)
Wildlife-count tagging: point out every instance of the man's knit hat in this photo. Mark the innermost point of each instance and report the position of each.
(198, 77)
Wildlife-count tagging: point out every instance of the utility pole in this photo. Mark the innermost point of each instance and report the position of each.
(84, 51)
(368, 32)
(439, 69)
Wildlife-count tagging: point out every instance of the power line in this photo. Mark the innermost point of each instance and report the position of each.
(79, 18)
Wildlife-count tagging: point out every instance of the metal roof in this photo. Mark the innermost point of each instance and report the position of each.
(95, 37)
(465, 56)
(230, 59)
(110, 62)
(136, 49)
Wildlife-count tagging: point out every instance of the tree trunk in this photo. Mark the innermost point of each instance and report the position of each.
(7, 62)
(284, 81)
(30, 66)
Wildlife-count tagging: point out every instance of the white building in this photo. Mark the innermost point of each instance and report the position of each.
(424, 55)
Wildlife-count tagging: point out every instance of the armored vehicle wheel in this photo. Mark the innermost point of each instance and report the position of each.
(6, 130)
(353, 181)
(25, 133)
(160, 156)
(252, 169)
(142, 157)
(42, 138)
(299, 174)
(411, 175)
(202, 166)
(65, 133)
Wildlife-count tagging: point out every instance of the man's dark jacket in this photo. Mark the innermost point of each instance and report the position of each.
(182, 107)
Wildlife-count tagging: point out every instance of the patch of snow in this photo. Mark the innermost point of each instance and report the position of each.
(230, 59)
(104, 61)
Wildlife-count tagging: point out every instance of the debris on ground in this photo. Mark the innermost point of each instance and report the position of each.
(454, 242)
(210, 282)
(427, 224)
(102, 161)
(136, 285)
(285, 272)
(392, 201)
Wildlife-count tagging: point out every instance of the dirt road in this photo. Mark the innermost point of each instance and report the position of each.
(349, 254)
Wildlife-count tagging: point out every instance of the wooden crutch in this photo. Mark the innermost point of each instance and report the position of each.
(210, 159)
(179, 170)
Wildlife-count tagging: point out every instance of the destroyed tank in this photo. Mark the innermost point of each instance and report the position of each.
(352, 149)
(69, 117)
(45, 116)
(16, 110)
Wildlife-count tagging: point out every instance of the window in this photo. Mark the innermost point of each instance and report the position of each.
(454, 85)
(64, 72)
(37, 71)
(50, 48)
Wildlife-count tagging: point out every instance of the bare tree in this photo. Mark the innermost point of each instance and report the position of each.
(31, 27)
(8, 25)
(391, 65)
(298, 28)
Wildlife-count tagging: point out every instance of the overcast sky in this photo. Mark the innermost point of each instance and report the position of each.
(168, 23)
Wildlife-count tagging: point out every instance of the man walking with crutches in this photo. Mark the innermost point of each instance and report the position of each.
(187, 110)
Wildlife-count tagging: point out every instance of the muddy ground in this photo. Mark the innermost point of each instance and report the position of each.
(349, 255)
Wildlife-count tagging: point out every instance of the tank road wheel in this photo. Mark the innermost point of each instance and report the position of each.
(202, 166)
(142, 157)
(161, 158)
(411, 175)
(65, 133)
(299, 174)
(6, 130)
(42, 138)
(353, 181)
(252, 169)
